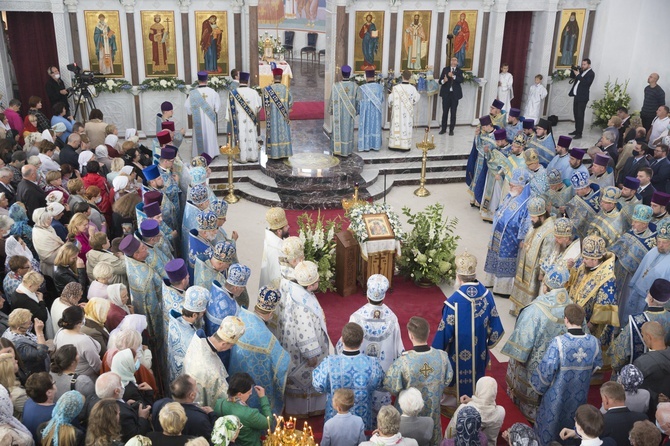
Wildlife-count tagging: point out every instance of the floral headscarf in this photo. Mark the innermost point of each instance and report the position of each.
(630, 377)
(72, 293)
(468, 423)
(226, 430)
(123, 364)
(139, 440)
(522, 435)
(7, 412)
(17, 212)
(69, 405)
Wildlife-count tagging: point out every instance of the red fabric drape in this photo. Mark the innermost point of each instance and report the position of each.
(32, 54)
(515, 49)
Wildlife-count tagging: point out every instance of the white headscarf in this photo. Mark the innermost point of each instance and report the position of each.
(127, 170)
(46, 134)
(114, 294)
(120, 183)
(111, 140)
(484, 398)
(7, 412)
(14, 248)
(130, 133)
(123, 364)
(84, 157)
(101, 151)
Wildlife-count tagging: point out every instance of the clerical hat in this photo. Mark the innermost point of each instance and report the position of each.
(514, 112)
(277, 72)
(537, 206)
(660, 290)
(601, 159)
(244, 77)
(643, 213)
(167, 125)
(152, 210)
(163, 137)
(202, 76)
(554, 176)
(169, 152)
(485, 120)
(631, 183)
(660, 198)
(500, 135)
(152, 196)
(577, 154)
(151, 172)
(149, 228)
(196, 299)
(528, 124)
(346, 71)
(610, 194)
(498, 104)
(176, 270)
(166, 106)
(564, 141)
(129, 245)
(268, 299)
(544, 124)
(370, 73)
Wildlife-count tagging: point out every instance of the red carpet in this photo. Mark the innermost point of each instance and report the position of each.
(302, 111)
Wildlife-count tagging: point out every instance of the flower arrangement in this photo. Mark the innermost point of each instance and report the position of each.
(360, 79)
(560, 75)
(114, 85)
(469, 77)
(357, 225)
(319, 240)
(224, 430)
(162, 84)
(277, 46)
(216, 83)
(429, 251)
(616, 96)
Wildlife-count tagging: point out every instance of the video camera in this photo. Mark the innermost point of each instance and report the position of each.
(83, 79)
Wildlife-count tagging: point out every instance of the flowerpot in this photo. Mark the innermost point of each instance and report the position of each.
(424, 283)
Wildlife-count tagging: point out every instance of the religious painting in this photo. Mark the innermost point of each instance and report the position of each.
(211, 33)
(415, 40)
(378, 226)
(569, 38)
(295, 15)
(463, 28)
(160, 48)
(103, 40)
(368, 46)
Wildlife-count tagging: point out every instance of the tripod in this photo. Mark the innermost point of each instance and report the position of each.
(79, 93)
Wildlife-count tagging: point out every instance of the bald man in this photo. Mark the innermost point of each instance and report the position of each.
(654, 97)
(655, 364)
(28, 192)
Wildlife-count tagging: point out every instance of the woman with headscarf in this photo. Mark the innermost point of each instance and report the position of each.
(28, 296)
(60, 431)
(119, 308)
(102, 155)
(16, 247)
(637, 400)
(46, 241)
(112, 142)
(119, 187)
(127, 335)
(70, 334)
(125, 363)
(84, 157)
(71, 295)
(484, 400)
(96, 314)
(17, 212)
(521, 435)
(226, 429)
(94, 177)
(32, 348)
(467, 430)
(12, 432)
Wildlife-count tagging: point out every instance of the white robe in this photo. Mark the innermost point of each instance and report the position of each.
(402, 99)
(208, 127)
(270, 269)
(206, 368)
(248, 134)
(536, 96)
(505, 92)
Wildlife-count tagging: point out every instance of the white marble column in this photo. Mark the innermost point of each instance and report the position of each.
(61, 27)
(496, 32)
(5, 74)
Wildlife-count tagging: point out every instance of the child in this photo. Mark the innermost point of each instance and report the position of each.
(344, 429)
(536, 97)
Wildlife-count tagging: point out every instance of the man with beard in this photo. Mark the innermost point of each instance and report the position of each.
(564, 241)
(558, 194)
(601, 173)
(477, 169)
(561, 160)
(155, 183)
(576, 165)
(174, 288)
(513, 126)
(659, 204)
(629, 250)
(500, 163)
(528, 128)
(198, 201)
(609, 223)
(654, 265)
(584, 206)
(538, 174)
(183, 325)
(510, 226)
(292, 253)
(498, 118)
(543, 142)
(215, 267)
(200, 239)
(277, 230)
(536, 246)
(629, 199)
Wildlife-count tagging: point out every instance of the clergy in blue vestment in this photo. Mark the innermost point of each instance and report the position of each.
(539, 181)
(558, 194)
(543, 142)
(536, 326)
(584, 205)
(155, 184)
(630, 345)
(277, 103)
(510, 225)
(369, 100)
(222, 302)
(576, 165)
(501, 161)
(497, 114)
(163, 123)
(561, 160)
(200, 175)
(353, 370)
(514, 125)
(220, 208)
(342, 107)
(654, 265)
(170, 178)
(563, 376)
(609, 223)
(151, 236)
(426, 368)
(260, 354)
(215, 268)
(174, 288)
(153, 211)
(183, 325)
(470, 326)
(477, 169)
(198, 200)
(200, 239)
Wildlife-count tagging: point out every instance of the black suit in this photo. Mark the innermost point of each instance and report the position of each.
(618, 423)
(646, 194)
(198, 423)
(53, 88)
(31, 195)
(612, 152)
(450, 92)
(661, 178)
(622, 131)
(9, 191)
(631, 167)
(68, 155)
(581, 96)
(131, 423)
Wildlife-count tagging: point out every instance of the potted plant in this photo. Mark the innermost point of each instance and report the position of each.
(428, 251)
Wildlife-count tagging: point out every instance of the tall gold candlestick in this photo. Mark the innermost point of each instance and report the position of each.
(230, 150)
(425, 146)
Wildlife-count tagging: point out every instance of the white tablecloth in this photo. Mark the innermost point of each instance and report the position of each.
(265, 73)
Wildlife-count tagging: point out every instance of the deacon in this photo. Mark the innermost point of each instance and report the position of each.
(513, 126)
(563, 376)
(609, 223)
(223, 301)
(163, 123)
(258, 353)
(659, 204)
(576, 165)
(536, 326)
(155, 184)
(477, 169)
(204, 364)
(369, 100)
(561, 160)
(402, 100)
(500, 163)
(601, 174)
(350, 369)
(470, 326)
(276, 231)
(630, 345)
(203, 103)
(629, 251)
(629, 199)
(510, 226)
(584, 205)
(342, 107)
(277, 102)
(173, 289)
(543, 142)
(425, 368)
(536, 246)
(183, 324)
(558, 194)
(244, 105)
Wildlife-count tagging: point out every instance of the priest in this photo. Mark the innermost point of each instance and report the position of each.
(609, 223)
(584, 205)
(277, 102)
(183, 324)
(477, 169)
(402, 100)
(242, 112)
(369, 100)
(275, 233)
(543, 142)
(203, 103)
(342, 108)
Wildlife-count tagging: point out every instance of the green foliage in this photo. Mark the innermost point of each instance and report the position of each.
(319, 240)
(616, 96)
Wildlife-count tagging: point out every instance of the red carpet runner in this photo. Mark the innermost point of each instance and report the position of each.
(303, 111)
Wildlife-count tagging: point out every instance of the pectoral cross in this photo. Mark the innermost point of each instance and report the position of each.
(426, 370)
(204, 95)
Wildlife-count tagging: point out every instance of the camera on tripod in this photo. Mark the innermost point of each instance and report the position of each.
(83, 86)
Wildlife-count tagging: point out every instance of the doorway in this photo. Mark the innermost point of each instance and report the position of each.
(515, 49)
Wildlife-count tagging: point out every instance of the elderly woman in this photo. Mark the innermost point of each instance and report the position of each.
(21, 227)
(76, 188)
(521, 434)
(467, 430)
(31, 347)
(69, 267)
(172, 418)
(112, 141)
(631, 378)
(18, 266)
(484, 400)
(127, 336)
(124, 364)
(57, 211)
(55, 183)
(59, 431)
(46, 241)
(119, 307)
(100, 252)
(95, 177)
(120, 187)
(84, 157)
(12, 431)
(31, 147)
(63, 366)
(39, 407)
(9, 367)
(102, 156)
(96, 314)
(41, 178)
(115, 169)
(5, 225)
(71, 334)
(27, 296)
(47, 150)
(72, 294)
(102, 273)
(411, 424)
(388, 430)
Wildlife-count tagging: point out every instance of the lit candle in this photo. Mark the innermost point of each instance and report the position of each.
(269, 427)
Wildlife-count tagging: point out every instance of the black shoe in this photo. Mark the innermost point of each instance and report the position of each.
(451, 133)
(442, 132)
(572, 133)
(576, 137)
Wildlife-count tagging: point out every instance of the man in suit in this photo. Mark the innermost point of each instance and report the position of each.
(661, 168)
(622, 112)
(68, 154)
(618, 419)
(450, 92)
(6, 176)
(655, 364)
(608, 145)
(634, 163)
(582, 78)
(28, 192)
(646, 190)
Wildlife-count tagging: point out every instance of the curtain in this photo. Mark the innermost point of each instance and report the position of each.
(32, 44)
(515, 49)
